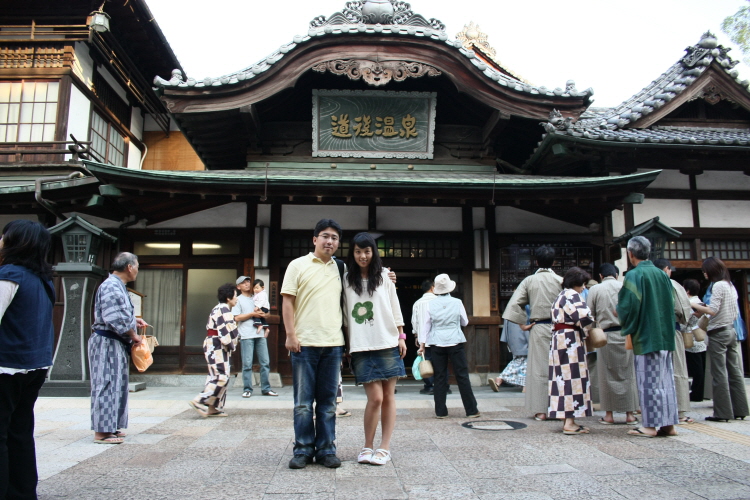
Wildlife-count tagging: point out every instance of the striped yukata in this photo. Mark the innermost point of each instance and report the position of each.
(218, 351)
(539, 291)
(569, 384)
(656, 389)
(109, 358)
(615, 365)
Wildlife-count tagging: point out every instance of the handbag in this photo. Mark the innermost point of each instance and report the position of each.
(687, 339)
(150, 340)
(425, 369)
(415, 368)
(595, 339)
(703, 322)
(699, 334)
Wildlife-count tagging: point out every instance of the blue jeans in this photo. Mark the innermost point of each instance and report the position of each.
(315, 374)
(260, 346)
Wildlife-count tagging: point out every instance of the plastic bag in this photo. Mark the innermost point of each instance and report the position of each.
(141, 355)
(415, 368)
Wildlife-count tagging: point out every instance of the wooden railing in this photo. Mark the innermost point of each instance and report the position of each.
(45, 152)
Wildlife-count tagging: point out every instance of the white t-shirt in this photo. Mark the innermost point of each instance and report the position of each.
(373, 321)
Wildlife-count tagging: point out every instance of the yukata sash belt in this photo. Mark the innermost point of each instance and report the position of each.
(114, 336)
(564, 326)
(212, 333)
(542, 321)
(613, 329)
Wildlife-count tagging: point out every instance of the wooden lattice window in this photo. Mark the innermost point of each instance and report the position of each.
(28, 111)
(678, 250)
(106, 141)
(726, 250)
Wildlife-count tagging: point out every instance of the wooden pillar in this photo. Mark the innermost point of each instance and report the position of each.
(495, 358)
(279, 361)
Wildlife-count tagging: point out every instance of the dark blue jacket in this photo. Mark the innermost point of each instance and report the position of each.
(26, 332)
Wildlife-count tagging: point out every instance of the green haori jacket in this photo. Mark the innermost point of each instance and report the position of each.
(646, 309)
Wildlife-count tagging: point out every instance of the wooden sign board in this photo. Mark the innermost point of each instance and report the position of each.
(373, 124)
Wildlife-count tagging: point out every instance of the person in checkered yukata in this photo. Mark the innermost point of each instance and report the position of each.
(109, 351)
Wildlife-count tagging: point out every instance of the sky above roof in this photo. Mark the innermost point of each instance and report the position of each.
(617, 48)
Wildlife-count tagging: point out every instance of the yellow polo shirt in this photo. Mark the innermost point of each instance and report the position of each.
(317, 309)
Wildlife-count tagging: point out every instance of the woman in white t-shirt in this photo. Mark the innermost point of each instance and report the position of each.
(376, 341)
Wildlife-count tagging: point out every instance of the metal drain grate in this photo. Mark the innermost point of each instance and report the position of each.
(494, 425)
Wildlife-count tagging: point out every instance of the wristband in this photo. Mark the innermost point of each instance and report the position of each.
(401, 336)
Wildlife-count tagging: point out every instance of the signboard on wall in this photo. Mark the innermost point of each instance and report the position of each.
(373, 124)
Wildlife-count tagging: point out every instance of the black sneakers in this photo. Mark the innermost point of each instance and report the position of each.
(330, 461)
(300, 462)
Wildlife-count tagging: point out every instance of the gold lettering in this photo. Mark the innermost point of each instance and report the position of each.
(385, 126)
(408, 124)
(362, 128)
(340, 126)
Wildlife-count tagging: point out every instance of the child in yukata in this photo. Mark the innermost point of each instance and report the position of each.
(260, 298)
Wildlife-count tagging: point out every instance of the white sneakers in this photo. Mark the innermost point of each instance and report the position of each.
(377, 457)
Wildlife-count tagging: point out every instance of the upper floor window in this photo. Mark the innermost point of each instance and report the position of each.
(106, 141)
(28, 111)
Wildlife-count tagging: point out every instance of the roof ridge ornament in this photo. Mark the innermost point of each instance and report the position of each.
(377, 73)
(383, 12)
(556, 122)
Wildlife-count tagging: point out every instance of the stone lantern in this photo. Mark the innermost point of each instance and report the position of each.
(656, 232)
(80, 279)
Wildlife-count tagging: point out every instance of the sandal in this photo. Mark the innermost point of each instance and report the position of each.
(605, 422)
(110, 440)
(120, 434)
(343, 413)
(639, 433)
(493, 385)
(380, 457)
(365, 456)
(686, 420)
(220, 413)
(540, 419)
(633, 422)
(663, 433)
(195, 406)
(581, 430)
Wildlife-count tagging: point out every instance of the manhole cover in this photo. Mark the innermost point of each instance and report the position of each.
(494, 425)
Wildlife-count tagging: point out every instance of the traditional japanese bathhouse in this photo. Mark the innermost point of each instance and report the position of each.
(377, 118)
(692, 123)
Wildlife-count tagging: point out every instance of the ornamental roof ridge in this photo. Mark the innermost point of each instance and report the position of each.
(675, 80)
(474, 39)
(364, 18)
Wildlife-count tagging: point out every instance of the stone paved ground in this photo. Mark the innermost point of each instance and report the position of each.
(172, 453)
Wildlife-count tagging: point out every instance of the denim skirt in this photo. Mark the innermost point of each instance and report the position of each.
(372, 366)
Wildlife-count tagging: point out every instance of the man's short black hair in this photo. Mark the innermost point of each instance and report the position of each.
(545, 256)
(608, 269)
(324, 224)
(575, 277)
(692, 287)
(426, 285)
(662, 264)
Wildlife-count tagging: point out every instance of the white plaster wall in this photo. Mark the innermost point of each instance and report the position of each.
(723, 180)
(78, 115)
(113, 83)
(264, 215)
(674, 213)
(306, 216)
(618, 222)
(515, 220)
(83, 65)
(229, 215)
(134, 156)
(418, 219)
(477, 217)
(149, 125)
(724, 213)
(136, 122)
(668, 179)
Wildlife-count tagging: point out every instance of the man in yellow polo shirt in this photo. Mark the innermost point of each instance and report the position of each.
(312, 318)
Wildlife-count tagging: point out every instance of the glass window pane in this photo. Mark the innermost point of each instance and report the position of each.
(49, 133)
(40, 94)
(201, 298)
(3, 131)
(13, 112)
(28, 92)
(37, 133)
(38, 115)
(12, 134)
(53, 89)
(3, 113)
(5, 92)
(223, 247)
(50, 114)
(157, 248)
(26, 112)
(15, 92)
(24, 133)
(115, 158)
(162, 304)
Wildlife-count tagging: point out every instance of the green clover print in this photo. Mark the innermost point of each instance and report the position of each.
(362, 312)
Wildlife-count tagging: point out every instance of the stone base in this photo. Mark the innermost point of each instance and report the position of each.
(199, 380)
(136, 386)
(65, 389)
(478, 379)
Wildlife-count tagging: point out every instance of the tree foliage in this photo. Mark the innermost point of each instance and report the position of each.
(737, 27)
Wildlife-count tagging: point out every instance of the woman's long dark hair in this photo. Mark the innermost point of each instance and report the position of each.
(716, 270)
(27, 243)
(374, 270)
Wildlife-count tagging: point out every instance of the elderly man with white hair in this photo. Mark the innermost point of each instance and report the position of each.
(646, 312)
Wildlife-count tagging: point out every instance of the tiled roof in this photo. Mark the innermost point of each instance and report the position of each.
(351, 21)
